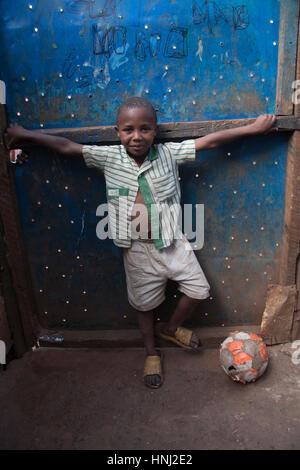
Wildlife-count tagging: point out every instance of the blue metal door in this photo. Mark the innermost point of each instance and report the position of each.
(70, 64)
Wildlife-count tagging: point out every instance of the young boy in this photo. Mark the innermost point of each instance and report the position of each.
(143, 178)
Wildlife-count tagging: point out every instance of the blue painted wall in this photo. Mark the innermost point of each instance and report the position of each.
(71, 63)
(195, 60)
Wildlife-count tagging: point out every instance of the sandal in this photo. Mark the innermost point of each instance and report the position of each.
(153, 366)
(182, 337)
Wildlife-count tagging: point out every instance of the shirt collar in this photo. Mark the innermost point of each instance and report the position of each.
(152, 155)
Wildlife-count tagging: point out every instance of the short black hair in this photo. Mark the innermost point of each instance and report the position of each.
(136, 102)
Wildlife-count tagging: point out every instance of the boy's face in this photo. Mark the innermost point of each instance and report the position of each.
(136, 128)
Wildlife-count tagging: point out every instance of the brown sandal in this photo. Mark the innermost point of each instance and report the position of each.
(182, 337)
(153, 366)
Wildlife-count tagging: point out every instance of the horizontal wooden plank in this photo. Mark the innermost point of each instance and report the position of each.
(166, 131)
(211, 336)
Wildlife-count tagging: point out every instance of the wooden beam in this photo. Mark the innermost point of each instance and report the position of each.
(287, 53)
(18, 295)
(166, 131)
(291, 232)
(290, 256)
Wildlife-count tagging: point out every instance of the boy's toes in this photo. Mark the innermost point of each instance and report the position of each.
(153, 381)
(195, 341)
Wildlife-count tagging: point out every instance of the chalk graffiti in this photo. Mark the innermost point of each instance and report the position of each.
(85, 74)
(76, 7)
(176, 44)
(211, 14)
(113, 39)
(95, 8)
(99, 10)
(69, 65)
(113, 44)
(144, 46)
(240, 17)
(108, 40)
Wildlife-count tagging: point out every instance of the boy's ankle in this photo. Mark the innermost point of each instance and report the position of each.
(169, 329)
(152, 352)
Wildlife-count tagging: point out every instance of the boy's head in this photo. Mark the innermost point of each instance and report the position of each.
(136, 126)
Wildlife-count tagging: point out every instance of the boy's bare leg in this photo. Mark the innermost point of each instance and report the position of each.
(147, 329)
(184, 309)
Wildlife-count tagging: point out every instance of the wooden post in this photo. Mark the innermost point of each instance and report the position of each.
(18, 292)
(281, 318)
(288, 29)
(291, 232)
(289, 273)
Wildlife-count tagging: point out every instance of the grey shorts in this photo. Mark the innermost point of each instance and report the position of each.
(148, 270)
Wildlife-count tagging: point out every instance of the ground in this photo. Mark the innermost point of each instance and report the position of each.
(56, 398)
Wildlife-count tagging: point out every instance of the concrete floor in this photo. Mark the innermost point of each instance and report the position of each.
(56, 398)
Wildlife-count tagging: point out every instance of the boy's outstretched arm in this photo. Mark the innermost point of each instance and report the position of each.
(261, 125)
(18, 137)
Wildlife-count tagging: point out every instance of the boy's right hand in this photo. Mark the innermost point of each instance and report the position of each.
(263, 124)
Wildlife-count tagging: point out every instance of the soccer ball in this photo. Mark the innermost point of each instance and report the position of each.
(243, 356)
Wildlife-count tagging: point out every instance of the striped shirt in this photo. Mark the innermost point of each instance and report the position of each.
(158, 180)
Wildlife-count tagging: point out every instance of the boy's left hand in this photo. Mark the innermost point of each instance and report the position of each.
(263, 124)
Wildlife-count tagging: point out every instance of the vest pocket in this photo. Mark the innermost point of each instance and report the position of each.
(115, 193)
